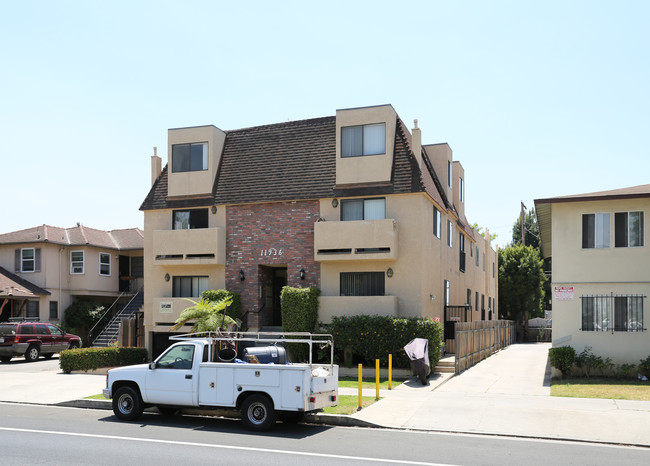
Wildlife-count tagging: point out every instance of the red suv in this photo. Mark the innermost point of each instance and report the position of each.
(32, 339)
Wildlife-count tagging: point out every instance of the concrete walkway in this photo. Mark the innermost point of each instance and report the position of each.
(509, 394)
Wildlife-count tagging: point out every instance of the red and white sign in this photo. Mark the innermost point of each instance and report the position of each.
(563, 293)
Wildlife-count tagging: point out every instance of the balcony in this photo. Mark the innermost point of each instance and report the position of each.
(203, 246)
(355, 240)
(339, 306)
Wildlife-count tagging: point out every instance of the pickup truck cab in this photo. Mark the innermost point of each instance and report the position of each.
(191, 374)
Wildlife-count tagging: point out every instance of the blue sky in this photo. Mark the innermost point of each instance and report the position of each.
(536, 99)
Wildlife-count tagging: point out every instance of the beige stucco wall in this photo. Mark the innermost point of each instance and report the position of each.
(55, 277)
(195, 182)
(158, 225)
(604, 271)
(372, 168)
(420, 267)
(440, 155)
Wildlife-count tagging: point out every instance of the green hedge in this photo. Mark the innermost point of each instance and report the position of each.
(234, 310)
(375, 337)
(299, 314)
(562, 358)
(86, 359)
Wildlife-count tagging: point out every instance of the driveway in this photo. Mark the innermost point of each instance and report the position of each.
(42, 382)
(521, 369)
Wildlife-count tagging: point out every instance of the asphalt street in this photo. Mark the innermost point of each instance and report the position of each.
(35, 434)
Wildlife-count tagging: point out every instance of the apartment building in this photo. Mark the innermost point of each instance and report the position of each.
(44, 269)
(601, 278)
(354, 204)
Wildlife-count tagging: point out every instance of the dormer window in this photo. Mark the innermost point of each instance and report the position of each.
(357, 141)
(189, 157)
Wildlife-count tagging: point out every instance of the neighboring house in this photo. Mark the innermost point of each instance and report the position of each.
(353, 204)
(43, 269)
(601, 277)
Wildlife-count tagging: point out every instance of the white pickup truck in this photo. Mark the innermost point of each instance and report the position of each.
(192, 374)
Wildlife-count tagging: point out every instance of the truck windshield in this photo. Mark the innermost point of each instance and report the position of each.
(177, 357)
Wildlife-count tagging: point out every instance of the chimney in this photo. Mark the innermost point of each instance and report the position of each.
(156, 166)
(416, 142)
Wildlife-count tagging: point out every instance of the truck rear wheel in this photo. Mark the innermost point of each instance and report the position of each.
(257, 413)
(127, 404)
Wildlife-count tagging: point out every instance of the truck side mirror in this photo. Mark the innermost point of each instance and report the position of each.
(153, 365)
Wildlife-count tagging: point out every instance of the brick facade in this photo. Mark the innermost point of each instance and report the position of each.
(262, 236)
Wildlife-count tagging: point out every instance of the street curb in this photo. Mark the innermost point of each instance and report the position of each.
(342, 420)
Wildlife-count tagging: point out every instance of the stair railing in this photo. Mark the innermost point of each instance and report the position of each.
(111, 312)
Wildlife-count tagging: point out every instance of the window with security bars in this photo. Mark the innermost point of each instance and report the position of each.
(362, 284)
(620, 313)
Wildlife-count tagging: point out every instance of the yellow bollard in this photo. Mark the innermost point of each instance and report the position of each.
(390, 371)
(377, 378)
(360, 387)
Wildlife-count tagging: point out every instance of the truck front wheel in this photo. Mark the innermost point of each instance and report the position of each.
(257, 413)
(127, 404)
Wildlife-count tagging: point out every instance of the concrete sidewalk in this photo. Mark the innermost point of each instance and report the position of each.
(509, 394)
(506, 394)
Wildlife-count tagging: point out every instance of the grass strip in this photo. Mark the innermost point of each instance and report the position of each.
(353, 382)
(616, 389)
(348, 404)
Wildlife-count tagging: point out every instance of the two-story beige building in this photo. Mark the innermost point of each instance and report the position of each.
(43, 269)
(601, 278)
(353, 204)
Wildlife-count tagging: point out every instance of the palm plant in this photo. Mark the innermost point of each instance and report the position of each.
(209, 316)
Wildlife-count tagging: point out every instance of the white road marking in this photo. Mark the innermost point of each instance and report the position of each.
(223, 447)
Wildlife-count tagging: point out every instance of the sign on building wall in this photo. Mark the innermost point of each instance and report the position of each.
(563, 293)
(166, 307)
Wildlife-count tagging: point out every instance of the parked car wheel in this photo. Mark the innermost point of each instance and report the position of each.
(257, 413)
(5, 358)
(127, 404)
(73, 345)
(32, 353)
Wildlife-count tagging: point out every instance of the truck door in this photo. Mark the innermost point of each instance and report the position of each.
(173, 380)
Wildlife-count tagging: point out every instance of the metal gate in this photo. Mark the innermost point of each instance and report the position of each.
(455, 314)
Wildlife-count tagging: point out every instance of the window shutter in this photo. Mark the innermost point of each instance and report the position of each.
(37, 260)
(17, 260)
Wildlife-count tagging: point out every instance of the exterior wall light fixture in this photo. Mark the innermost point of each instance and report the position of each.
(242, 277)
(302, 274)
(335, 203)
(389, 272)
(166, 277)
(214, 209)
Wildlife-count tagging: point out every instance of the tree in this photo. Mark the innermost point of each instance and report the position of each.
(532, 230)
(480, 231)
(521, 281)
(208, 314)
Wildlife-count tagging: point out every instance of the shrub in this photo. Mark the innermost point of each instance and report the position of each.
(85, 359)
(588, 362)
(80, 317)
(644, 366)
(234, 310)
(625, 370)
(299, 314)
(375, 337)
(562, 358)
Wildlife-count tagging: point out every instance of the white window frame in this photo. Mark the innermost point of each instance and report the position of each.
(204, 157)
(640, 239)
(601, 237)
(447, 292)
(104, 254)
(83, 262)
(450, 173)
(23, 260)
(450, 234)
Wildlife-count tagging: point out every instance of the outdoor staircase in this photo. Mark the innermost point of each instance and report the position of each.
(446, 364)
(111, 332)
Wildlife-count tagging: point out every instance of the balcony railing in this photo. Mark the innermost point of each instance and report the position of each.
(189, 247)
(356, 240)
